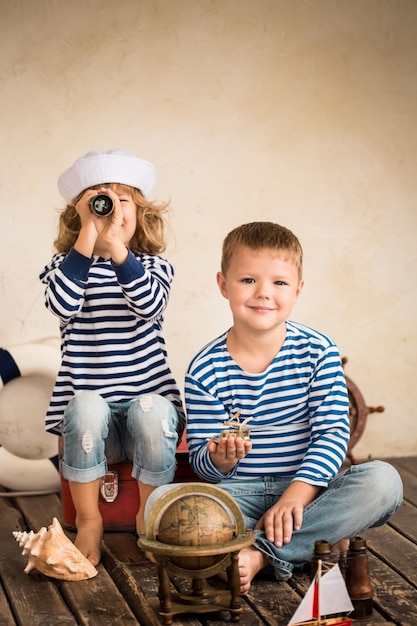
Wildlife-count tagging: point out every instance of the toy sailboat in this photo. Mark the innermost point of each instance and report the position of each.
(327, 595)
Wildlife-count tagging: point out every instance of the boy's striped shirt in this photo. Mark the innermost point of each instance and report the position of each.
(299, 408)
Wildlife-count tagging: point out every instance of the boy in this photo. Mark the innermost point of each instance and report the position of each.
(286, 382)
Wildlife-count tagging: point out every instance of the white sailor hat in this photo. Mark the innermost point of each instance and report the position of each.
(113, 166)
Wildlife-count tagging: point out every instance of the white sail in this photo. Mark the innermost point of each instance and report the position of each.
(334, 597)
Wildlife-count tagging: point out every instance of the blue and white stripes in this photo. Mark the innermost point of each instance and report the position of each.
(111, 328)
(299, 408)
(8, 367)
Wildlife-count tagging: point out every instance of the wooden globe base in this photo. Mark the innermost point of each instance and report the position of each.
(204, 560)
(202, 598)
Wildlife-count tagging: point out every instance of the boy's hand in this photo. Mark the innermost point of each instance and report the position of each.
(286, 516)
(227, 451)
(280, 521)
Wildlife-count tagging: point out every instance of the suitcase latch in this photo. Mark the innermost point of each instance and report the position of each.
(109, 486)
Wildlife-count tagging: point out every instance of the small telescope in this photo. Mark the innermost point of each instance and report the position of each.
(101, 205)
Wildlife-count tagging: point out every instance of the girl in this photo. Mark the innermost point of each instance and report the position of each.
(115, 397)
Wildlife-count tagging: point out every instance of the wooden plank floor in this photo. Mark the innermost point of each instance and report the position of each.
(125, 590)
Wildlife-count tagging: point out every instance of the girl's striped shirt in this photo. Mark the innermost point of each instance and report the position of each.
(111, 328)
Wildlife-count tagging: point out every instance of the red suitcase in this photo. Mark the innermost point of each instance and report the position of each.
(119, 494)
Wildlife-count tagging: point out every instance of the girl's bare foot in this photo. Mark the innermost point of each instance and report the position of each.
(140, 524)
(140, 530)
(148, 555)
(251, 561)
(88, 540)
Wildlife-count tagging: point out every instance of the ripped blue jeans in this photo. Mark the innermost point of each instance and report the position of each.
(97, 433)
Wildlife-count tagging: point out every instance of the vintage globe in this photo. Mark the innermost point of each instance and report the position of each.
(195, 520)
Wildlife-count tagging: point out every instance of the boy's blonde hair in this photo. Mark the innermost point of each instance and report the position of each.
(149, 237)
(260, 235)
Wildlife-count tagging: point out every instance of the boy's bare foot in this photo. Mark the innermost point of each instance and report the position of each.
(251, 561)
(88, 540)
(340, 547)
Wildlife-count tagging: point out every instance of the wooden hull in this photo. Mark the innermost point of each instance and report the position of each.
(330, 621)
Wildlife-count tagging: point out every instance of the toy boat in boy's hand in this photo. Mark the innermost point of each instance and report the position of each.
(326, 596)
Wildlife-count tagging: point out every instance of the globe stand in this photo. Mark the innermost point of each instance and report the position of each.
(197, 531)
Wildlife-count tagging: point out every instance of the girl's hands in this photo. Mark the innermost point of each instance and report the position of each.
(101, 235)
(108, 224)
(227, 451)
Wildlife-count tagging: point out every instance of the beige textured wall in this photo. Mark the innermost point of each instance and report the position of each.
(302, 112)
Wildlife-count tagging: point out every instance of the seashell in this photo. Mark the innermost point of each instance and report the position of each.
(52, 553)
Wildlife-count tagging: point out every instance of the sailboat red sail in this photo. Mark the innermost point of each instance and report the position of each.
(326, 596)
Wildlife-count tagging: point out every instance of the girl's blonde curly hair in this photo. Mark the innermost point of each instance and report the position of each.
(150, 234)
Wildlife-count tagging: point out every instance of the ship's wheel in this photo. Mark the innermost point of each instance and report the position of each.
(358, 413)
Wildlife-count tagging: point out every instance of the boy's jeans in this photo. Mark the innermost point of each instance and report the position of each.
(358, 498)
(97, 433)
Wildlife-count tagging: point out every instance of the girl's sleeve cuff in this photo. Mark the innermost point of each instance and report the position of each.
(129, 270)
(76, 266)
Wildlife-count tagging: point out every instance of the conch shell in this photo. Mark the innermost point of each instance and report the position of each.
(52, 553)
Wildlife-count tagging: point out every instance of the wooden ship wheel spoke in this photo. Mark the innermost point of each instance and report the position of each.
(358, 413)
